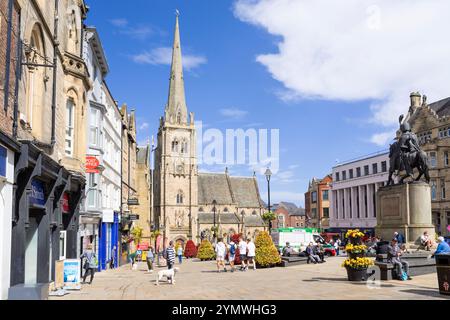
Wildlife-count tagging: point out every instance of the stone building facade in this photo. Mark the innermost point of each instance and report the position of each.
(143, 193)
(353, 192)
(44, 73)
(317, 203)
(431, 123)
(183, 197)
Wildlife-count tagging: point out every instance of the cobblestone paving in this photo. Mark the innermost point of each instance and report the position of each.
(199, 280)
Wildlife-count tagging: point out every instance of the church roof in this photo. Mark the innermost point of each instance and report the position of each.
(441, 107)
(227, 190)
(254, 221)
(213, 186)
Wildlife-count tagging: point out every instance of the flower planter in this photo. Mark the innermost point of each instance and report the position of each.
(357, 274)
(356, 255)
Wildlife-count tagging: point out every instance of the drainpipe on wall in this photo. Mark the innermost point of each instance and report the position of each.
(8, 55)
(55, 65)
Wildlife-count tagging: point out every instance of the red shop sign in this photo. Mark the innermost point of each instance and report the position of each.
(92, 164)
(65, 203)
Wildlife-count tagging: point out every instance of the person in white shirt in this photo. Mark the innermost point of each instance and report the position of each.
(221, 252)
(251, 253)
(243, 253)
(425, 241)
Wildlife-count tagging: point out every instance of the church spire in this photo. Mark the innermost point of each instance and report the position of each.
(176, 110)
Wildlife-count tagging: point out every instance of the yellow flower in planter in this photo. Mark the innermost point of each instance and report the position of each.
(358, 263)
(355, 248)
(354, 234)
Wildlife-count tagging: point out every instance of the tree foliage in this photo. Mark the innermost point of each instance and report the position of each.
(267, 254)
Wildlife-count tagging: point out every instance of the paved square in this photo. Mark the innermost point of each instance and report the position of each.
(199, 280)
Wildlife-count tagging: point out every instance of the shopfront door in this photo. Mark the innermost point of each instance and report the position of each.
(31, 247)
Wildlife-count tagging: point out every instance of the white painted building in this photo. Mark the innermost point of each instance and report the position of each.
(6, 200)
(355, 183)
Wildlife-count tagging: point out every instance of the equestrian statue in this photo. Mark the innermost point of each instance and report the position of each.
(406, 155)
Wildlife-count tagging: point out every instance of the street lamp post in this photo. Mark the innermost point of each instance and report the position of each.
(214, 203)
(268, 175)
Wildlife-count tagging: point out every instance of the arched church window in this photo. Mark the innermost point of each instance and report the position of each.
(175, 145)
(201, 209)
(180, 197)
(179, 117)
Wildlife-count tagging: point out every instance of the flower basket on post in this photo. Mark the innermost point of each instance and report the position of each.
(357, 263)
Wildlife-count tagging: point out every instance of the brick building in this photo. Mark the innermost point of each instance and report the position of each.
(317, 203)
(288, 216)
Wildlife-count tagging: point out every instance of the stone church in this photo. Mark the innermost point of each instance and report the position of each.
(187, 203)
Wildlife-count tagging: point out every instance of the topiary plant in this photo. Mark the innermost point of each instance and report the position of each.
(235, 239)
(267, 254)
(206, 251)
(191, 250)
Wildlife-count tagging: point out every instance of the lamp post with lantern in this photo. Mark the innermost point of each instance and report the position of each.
(268, 175)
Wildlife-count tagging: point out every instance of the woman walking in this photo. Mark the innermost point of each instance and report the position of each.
(90, 264)
(180, 253)
(150, 260)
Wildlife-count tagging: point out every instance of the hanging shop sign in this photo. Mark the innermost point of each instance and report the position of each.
(65, 203)
(134, 217)
(92, 164)
(37, 197)
(108, 216)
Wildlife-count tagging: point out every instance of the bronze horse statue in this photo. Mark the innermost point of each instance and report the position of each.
(418, 160)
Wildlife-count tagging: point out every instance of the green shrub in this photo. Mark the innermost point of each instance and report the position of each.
(266, 253)
(206, 251)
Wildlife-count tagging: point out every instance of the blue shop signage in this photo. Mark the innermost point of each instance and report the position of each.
(3, 155)
(37, 197)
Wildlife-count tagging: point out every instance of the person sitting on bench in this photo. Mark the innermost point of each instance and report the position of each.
(287, 250)
(311, 254)
(443, 247)
(394, 257)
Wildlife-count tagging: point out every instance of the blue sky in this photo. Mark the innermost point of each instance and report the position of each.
(248, 67)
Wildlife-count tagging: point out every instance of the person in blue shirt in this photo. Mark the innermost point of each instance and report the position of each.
(400, 238)
(443, 247)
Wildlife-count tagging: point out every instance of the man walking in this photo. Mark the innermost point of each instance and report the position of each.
(243, 253)
(170, 256)
(251, 253)
(221, 251)
(394, 256)
(232, 255)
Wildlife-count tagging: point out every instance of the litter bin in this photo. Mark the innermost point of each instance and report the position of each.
(443, 272)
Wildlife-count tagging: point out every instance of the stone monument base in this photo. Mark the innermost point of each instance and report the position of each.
(406, 209)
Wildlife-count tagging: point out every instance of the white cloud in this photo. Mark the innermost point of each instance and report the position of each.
(119, 22)
(382, 139)
(233, 113)
(356, 50)
(163, 55)
(144, 126)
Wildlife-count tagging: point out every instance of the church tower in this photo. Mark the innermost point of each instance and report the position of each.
(175, 176)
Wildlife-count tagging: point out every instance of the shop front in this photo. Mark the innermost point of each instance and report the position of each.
(43, 228)
(8, 147)
(109, 240)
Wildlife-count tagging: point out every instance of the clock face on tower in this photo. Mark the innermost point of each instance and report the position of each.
(179, 168)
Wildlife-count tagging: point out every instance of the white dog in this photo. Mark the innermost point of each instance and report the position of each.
(169, 274)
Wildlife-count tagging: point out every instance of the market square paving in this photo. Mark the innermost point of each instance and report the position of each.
(200, 281)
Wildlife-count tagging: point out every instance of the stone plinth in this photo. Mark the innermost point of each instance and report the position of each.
(404, 208)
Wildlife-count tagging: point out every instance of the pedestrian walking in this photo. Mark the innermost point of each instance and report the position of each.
(251, 253)
(243, 253)
(337, 245)
(221, 251)
(180, 253)
(170, 255)
(150, 259)
(90, 263)
(232, 255)
(112, 262)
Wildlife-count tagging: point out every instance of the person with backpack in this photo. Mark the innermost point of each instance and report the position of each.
(232, 255)
(90, 264)
(394, 257)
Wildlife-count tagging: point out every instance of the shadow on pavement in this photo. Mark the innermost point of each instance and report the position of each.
(344, 280)
(427, 293)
